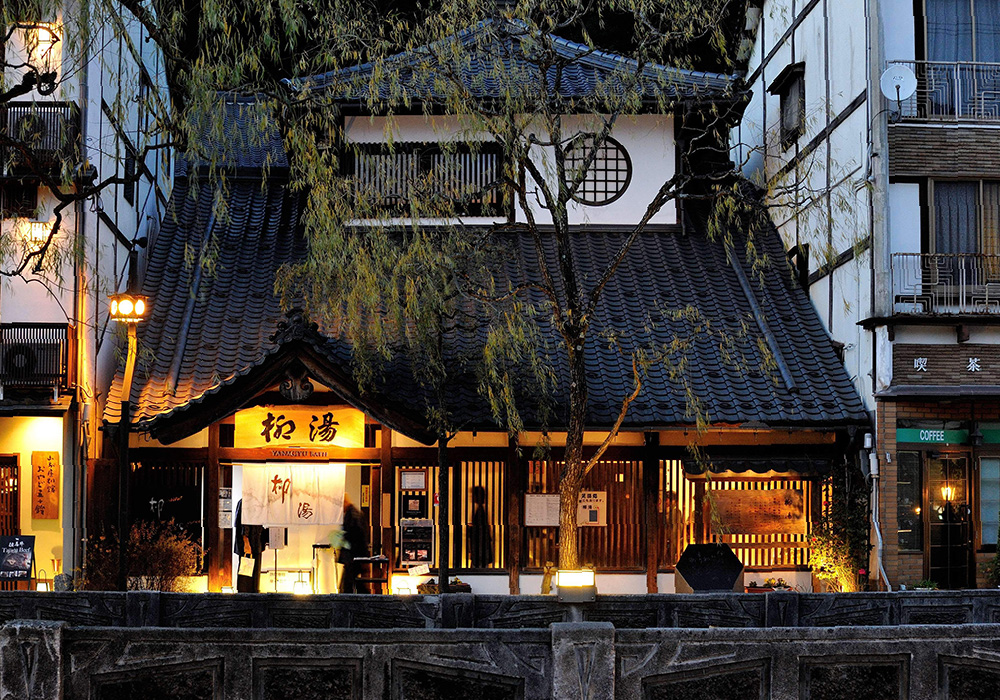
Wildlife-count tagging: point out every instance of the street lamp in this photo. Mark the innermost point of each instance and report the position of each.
(129, 309)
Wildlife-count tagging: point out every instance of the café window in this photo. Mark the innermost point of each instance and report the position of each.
(909, 502)
(789, 85)
(452, 179)
(989, 499)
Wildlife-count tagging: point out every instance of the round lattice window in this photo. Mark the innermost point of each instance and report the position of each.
(607, 177)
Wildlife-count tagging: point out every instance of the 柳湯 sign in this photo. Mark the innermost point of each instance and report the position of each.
(281, 427)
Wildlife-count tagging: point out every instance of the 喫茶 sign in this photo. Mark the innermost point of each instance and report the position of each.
(45, 485)
(16, 555)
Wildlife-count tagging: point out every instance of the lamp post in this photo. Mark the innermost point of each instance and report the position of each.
(129, 309)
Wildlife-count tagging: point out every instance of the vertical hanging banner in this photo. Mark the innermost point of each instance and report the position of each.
(293, 494)
(45, 485)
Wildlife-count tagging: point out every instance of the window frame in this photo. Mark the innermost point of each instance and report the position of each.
(23, 210)
(931, 242)
(790, 86)
(426, 150)
(598, 167)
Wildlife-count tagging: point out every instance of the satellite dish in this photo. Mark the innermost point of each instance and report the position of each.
(898, 82)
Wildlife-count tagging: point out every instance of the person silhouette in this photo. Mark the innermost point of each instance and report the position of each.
(480, 531)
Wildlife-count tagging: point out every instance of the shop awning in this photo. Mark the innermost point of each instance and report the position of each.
(741, 465)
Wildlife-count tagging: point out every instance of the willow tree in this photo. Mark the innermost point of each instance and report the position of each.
(395, 277)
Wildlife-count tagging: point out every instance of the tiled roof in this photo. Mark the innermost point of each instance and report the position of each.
(421, 71)
(231, 312)
(236, 136)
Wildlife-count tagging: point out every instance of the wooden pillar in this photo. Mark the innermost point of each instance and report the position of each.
(699, 512)
(457, 523)
(650, 500)
(514, 479)
(213, 533)
(386, 491)
(226, 534)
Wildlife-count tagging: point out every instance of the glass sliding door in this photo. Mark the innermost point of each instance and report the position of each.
(949, 521)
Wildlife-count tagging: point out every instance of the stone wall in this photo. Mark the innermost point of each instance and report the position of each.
(467, 611)
(51, 660)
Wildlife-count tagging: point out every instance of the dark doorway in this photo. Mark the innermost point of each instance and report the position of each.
(949, 521)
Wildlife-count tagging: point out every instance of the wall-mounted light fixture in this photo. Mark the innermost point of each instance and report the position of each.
(128, 308)
(947, 493)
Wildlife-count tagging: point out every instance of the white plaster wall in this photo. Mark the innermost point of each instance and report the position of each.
(904, 217)
(488, 584)
(665, 583)
(900, 28)
(648, 139)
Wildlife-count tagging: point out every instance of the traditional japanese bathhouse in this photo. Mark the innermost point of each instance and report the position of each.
(242, 400)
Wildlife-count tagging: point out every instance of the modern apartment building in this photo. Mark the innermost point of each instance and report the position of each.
(890, 200)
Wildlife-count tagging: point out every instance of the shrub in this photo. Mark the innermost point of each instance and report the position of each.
(158, 555)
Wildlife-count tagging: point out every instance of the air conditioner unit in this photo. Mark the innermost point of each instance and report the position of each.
(30, 364)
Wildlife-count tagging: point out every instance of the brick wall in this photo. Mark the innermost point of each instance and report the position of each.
(906, 567)
(967, 152)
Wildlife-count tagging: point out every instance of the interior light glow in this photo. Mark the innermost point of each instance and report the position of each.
(575, 578)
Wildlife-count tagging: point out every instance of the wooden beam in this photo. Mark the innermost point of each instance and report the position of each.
(385, 495)
(654, 523)
(514, 478)
(213, 532)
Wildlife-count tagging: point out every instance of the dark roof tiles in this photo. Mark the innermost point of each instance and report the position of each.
(235, 312)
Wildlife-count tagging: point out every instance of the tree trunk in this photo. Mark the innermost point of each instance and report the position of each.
(444, 541)
(571, 481)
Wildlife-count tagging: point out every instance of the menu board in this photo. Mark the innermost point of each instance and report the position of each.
(768, 512)
(541, 509)
(45, 485)
(16, 555)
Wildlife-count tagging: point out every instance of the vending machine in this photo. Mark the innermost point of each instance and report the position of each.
(416, 543)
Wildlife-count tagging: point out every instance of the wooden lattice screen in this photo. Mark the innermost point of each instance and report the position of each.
(756, 551)
(463, 478)
(10, 523)
(618, 546)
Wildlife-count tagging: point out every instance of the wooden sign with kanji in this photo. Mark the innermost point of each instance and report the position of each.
(45, 485)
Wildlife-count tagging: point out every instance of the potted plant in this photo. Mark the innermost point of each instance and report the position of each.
(925, 585)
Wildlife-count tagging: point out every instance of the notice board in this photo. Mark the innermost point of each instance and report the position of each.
(17, 552)
(774, 511)
(45, 485)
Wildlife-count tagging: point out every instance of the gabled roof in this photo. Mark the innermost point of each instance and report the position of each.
(212, 341)
(585, 71)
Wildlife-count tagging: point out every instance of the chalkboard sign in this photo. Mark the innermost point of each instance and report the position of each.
(16, 555)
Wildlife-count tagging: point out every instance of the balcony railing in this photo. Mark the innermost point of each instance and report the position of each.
(952, 91)
(940, 283)
(50, 131)
(36, 355)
